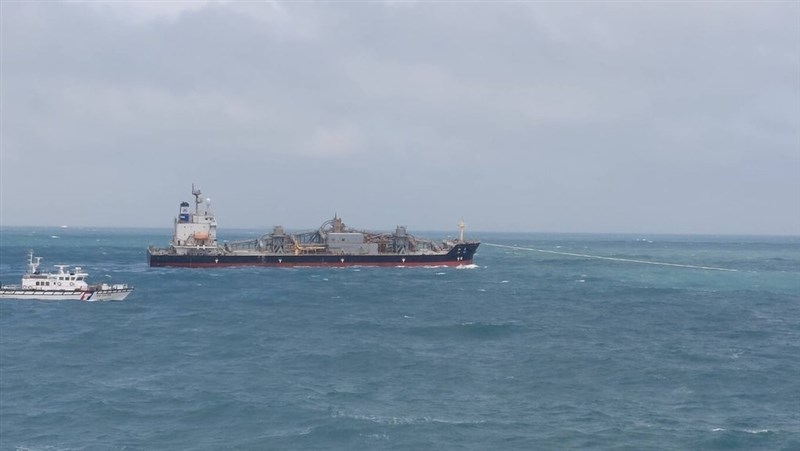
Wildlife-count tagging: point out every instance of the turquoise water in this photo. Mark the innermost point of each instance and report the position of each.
(528, 350)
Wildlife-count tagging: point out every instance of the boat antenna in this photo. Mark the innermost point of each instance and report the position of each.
(33, 266)
(197, 201)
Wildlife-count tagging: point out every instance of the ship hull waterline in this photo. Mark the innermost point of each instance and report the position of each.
(461, 255)
(65, 295)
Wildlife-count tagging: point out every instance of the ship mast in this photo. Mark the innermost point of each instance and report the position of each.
(196, 192)
(33, 267)
(461, 226)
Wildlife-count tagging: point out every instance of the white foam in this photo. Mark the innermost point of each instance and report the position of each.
(291, 432)
(383, 436)
(404, 420)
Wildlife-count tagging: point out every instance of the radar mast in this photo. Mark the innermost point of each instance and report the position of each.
(197, 201)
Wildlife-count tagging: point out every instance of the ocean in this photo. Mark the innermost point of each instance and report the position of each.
(538, 345)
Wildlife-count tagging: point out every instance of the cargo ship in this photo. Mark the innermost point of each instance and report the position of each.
(194, 245)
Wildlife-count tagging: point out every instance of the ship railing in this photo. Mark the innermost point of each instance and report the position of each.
(244, 245)
(299, 249)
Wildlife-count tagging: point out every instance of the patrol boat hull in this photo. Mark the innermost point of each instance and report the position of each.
(65, 295)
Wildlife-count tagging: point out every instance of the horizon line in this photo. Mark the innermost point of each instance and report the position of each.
(473, 232)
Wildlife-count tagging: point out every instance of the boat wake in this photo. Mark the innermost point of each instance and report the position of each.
(599, 257)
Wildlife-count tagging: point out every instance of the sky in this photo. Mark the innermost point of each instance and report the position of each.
(574, 117)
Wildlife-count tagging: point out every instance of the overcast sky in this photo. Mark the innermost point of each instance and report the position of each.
(675, 117)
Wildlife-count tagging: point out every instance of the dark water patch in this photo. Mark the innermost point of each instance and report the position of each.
(721, 438)
(467, 330)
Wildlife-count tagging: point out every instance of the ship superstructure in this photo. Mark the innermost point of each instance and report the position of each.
(196, 230)
(194, 244)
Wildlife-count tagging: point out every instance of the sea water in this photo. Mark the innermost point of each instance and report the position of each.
(523, 350)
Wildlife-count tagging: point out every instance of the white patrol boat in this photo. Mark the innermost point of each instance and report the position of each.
(64, 285)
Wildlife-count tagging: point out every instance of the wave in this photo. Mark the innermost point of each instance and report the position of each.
(469, 329)
(44, 448)
(401, 420)
(748, 431)
(294, 432)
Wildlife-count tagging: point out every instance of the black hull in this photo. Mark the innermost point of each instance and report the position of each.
(461, 254)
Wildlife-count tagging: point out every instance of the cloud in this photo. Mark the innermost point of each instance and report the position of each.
(338, 140)
(628, 113)
(145, 12)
